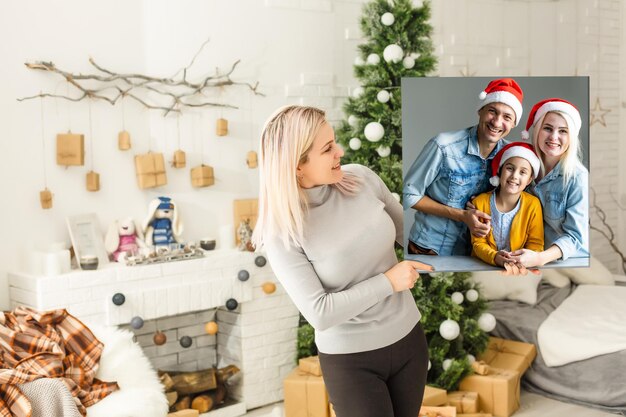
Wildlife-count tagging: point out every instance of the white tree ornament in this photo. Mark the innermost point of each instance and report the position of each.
(471, 295)
(429, 364)
(357, 92)
(446, 364)
(471, 358)
(387, 19)
(457, 297)
(487, 322)
(393, 53)
(408, 62)
(353, 120)
(359, 61)
(383, 96)
(383, 151)
(449, 329)
(374, 131)
(355, 144)
(373, 59)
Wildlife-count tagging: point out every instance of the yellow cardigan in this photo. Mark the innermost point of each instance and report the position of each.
(526, 229)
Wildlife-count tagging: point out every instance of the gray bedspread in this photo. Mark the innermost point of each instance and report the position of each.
(599, 382)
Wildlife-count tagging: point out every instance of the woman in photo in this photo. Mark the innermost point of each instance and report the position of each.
(329, 232)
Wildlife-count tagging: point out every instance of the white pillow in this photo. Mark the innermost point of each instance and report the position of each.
(555, 277)
(596, 274)
(495, 286)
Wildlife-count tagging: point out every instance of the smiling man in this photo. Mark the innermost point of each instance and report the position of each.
(453, 167)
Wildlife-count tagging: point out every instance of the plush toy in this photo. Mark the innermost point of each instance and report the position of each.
(124, 238)
(162, 226)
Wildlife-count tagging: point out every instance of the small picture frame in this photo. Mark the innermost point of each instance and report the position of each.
(87, 238)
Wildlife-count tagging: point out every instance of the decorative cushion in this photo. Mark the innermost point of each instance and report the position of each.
(495, 286)
(555, 277)
(596, 274)
(141, 393)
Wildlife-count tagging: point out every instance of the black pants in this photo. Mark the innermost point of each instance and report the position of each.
(385, 382)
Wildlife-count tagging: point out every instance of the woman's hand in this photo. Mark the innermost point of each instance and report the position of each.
(404, 274)
(527, 257)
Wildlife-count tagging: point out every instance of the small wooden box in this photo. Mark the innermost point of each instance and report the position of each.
(180, 159)
(150, 169)
(123, 141)
(45, 197)
(93, 181)
(202, 176)
(221, 127)
(70, 149)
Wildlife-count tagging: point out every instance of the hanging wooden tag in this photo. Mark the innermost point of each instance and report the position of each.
(45, 197)
(150, 170)
(180, 160)
(252, 159)
(70, 149)
(123, 141)
(221, 127)
(93, 181)
(202, 176)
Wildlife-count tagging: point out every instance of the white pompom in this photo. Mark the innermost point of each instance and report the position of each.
(373, 59)
(482, 95)
(383, 151)
(408, 62)
(471, 358)
(359, 61)
(446, 364)
(353, 120)
(471, 295)
(525, 135)
(457, 297)
(396, 196)
(393, 53)
(449, 329)
(383, 96)
(355, 144)
(487, 322)
(357, 92)
(387, 19)
(495, 180)
(374, 131)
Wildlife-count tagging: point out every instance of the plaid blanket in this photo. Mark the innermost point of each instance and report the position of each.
(50, 344)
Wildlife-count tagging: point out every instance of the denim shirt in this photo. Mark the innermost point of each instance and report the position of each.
(565, 210)
(449, 170)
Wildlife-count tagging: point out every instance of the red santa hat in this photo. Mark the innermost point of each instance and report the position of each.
(520, 149)
(569, 112)
(504, 90)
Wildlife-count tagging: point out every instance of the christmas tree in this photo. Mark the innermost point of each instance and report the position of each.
(397, 45)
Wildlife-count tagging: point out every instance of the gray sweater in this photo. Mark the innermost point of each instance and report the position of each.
(336, 279)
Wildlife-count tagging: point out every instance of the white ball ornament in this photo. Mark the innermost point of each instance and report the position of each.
(383, 96)
(408, 62)
(374, 131)
(446, 364)
(359, 61)
(387, 19)
(353, 121)
(429, 364)
(449, 329)
(393, 53)
(471, 358)
(355, 144)
(373, 59)
(396, 196)
(357, 92)
(383, 151)
(487, 322)
(457, 297)
(471, 295)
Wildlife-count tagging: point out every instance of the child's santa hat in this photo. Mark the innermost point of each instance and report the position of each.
(565, 108)
(504, 90)
(520, 149)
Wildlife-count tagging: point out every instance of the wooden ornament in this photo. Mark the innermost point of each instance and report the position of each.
(159, 338)
(123, 141)
(70, 149)
(221, 128)
(268, 287)
(93, 181)
(180, 159)
(252, 160)
(211, 327)
(150, 170)
(202, 176)
(45, 197)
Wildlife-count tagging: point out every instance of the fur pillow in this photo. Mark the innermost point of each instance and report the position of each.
(495, 286)
(141, 393)
(596, 274)
(555, 277)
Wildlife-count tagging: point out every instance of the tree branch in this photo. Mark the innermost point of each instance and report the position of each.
(606, 230)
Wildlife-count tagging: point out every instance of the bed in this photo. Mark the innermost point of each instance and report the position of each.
(598, 382)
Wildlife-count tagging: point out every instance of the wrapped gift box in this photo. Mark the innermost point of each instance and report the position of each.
(70, 149)
(426, 411)
(498, 391)
(434, 396)
(150, 169)
(475, 415)
(332, 411)
(305, 395)
(509, 354)
(202, 176)
(310, 365)
(464, 401)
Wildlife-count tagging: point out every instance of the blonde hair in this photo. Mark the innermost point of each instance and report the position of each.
(571, 159)
(286, 140)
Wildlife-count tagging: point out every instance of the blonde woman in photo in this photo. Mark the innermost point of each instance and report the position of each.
(329, 232)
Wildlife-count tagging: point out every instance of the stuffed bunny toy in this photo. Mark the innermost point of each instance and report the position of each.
(124, 238)
(162, 226)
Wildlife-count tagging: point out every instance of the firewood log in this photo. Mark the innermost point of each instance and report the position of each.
(186, 383)
(202, 403)
(183, 403)
(171, 396)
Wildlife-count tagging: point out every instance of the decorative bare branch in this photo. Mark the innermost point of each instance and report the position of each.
(112, 86)
(606, 230)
